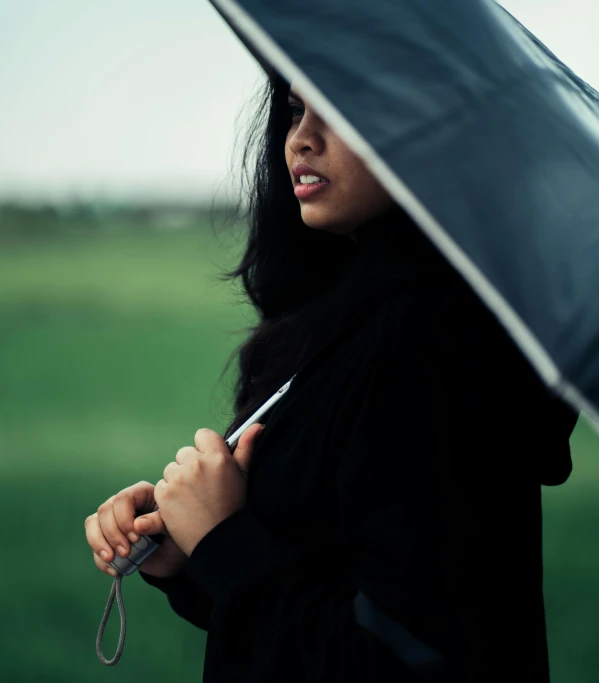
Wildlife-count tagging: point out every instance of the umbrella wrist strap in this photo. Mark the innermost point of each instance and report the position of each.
(115, 590)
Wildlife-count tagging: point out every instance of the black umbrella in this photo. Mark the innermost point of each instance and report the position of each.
(481, 134)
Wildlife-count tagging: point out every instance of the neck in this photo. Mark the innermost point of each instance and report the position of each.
(368, 231)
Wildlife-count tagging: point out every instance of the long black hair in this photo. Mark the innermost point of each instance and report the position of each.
(286, 265)
(291, 273)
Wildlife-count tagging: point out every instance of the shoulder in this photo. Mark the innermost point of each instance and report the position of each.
(442, 348)
(447, 319)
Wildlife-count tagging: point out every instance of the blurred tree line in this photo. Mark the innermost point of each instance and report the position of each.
(21, 221)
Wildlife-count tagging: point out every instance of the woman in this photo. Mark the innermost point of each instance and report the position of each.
(386, 525)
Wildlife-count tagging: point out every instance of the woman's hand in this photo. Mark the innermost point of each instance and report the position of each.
(112, 526)
(203, 487)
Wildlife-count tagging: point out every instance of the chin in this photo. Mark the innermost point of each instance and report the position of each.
(321, 220)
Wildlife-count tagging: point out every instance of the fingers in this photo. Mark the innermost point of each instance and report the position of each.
(206, 438)
(250, 434)
(142, 495)
(186, 453)
(104, 566)
(125, 510)
(171, 470)
(150, 524)
(103, 553)
(111, 528)
(114, 536)
(245, 446)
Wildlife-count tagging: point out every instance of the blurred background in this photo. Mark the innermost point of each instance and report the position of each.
(118, 128)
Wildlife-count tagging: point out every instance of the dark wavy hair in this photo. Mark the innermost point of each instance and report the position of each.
(286, 266)
(296, 276)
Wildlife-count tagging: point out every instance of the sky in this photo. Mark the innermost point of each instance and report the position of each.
(129, 99)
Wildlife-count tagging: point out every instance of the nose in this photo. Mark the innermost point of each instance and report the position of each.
(308, 135)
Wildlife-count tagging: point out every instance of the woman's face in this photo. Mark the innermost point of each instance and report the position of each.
(352, 194)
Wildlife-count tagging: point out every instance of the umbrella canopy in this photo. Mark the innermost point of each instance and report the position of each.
(481, 134)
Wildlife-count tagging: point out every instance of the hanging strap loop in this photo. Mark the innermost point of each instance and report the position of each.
(115, 590)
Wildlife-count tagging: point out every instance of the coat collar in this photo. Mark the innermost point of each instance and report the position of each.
(393, 243)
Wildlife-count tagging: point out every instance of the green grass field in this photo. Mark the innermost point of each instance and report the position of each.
(111, 348)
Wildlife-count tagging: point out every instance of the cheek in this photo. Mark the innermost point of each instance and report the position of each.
(362, 185)
(288, 153)
(352, 174)
(360, 195)
(289, 160)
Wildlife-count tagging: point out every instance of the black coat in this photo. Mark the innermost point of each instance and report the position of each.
(392, 530)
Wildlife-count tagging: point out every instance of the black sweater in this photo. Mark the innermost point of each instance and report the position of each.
(392, 530)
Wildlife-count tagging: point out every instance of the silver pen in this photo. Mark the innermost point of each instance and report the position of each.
(234, 438)
(145, 546)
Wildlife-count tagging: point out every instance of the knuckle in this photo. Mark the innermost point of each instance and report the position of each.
(162, 491)
(197, 464)
(101, 544)
(219, 461)
(106, 505)
(129, 491)
(99, 562)
(182, 453)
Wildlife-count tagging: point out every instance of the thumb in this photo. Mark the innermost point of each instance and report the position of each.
(245, 446)
(150, 524)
